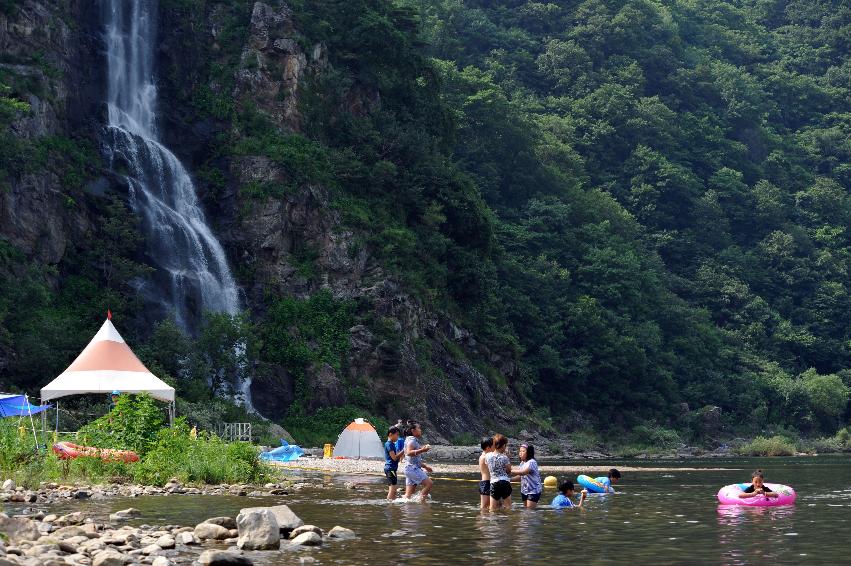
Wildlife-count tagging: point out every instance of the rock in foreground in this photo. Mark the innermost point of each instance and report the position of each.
(287, 520)
(258, 530)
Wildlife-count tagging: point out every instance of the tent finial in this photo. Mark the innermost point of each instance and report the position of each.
(108, 314)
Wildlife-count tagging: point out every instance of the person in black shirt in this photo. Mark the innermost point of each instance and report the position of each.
(757, 487)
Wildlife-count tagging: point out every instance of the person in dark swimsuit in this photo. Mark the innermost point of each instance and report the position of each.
(757, 487)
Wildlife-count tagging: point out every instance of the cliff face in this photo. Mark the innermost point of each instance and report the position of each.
(410, 373)
(50, 56)
(412, 361)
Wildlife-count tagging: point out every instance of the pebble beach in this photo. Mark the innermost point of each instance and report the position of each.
(376, 467)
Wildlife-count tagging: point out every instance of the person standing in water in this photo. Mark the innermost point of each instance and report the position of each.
(499, 467)
(485, 482)
(415, 469)
(529, 476)
(391, 461)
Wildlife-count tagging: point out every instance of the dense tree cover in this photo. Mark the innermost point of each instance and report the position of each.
(645, 202)
(671, 182)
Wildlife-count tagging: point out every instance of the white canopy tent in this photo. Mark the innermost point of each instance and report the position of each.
(108, 364)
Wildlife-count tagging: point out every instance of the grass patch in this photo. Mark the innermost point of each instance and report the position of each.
(765, 446)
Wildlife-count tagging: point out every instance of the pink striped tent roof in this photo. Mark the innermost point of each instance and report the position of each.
(105, 365)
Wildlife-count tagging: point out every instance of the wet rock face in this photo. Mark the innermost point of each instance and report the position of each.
(63, 94)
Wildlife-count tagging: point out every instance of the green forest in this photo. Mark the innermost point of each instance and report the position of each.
(647, 203)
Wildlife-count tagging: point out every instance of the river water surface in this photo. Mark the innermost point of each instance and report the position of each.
(655, 518)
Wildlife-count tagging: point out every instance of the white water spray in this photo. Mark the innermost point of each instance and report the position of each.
(193, 274)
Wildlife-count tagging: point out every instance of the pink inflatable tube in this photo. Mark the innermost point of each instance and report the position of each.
(729, 495)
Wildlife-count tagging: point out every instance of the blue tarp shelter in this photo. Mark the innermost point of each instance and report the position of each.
(286, 452)
(18, 406)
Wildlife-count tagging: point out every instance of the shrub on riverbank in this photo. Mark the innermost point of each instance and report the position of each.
(205, 459)
(172, 452)
(764, 446)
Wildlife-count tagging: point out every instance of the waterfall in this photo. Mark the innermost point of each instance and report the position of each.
(192, 274)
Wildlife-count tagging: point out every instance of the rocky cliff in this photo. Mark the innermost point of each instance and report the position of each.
(217, 65)
(50, 60)
(409, 371)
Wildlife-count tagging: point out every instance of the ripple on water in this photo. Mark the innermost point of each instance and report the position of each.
(452, 524)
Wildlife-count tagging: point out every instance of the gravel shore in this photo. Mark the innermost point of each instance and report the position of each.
(377, 467)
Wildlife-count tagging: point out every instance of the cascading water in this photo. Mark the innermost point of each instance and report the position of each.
(193, 275)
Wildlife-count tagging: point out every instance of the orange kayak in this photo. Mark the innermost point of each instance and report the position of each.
(68, 450)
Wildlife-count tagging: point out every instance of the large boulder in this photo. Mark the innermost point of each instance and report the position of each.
(258, 530)
(287, 520)
(17, 529)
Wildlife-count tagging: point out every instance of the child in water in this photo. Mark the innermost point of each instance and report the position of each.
(414, 474)
(612, 478)
(499, 467)
(529, 476)
(757, 487)
(485, 483)
(392, 455)
(564, 499)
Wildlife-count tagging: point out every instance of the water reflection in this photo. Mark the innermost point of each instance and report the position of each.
(754, 534)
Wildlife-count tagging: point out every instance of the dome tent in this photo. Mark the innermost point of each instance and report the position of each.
(359, 440)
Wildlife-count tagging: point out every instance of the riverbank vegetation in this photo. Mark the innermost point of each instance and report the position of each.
(137, 424)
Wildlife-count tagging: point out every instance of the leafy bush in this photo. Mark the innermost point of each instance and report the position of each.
(132, 424)
(585, 440)
(205, 459)
(655, 436)
(763, 446)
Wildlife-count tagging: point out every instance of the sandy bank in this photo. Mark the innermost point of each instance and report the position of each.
(377, 466)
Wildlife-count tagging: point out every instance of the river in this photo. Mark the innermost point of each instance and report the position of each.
(655, 518)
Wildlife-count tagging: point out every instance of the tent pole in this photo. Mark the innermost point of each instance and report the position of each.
(32, 422)
(43, 427)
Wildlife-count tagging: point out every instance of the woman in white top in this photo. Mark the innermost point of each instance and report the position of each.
(500, 469)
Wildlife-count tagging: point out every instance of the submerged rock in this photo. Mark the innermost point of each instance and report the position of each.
(222, 558)
(125, 514)
(307, 539)
(341, 533)
(306, 529)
